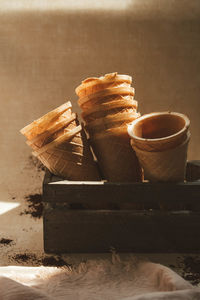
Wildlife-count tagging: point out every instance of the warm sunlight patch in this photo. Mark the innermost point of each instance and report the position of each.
(24, 5)
(6, 206)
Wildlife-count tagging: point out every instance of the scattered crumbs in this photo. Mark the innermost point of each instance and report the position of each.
(35, 206)
(34, 162)
(54, 261)
(172, 266)
(5, 241)
(190, 266)
(45, 261)
(24, 257)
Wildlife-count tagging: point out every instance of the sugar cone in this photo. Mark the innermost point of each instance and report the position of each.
(119, 131)
(61, 162)
(116, 159)
(94, 84)
(50, 134)
(109, 108)
(104, 96)
(42, 124)
(159, 131)
(62, 126)
(108, 105)
(163, 166)
(111, 121)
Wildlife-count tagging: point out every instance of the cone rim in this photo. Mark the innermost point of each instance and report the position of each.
(146, 116)
(54, 128)
(65, 137)
(113, 119)
(107, 92)
(92, 81)
(50, 116)
(116, 104)
(137, 149)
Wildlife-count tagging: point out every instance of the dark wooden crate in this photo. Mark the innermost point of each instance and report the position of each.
(129, 217)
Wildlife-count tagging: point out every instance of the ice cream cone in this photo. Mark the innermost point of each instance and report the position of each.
(111, 121)
(42, 124)
(108, 108)
(71, 165)
(104, 96)
(60, 143)
(119, 131)
(159, 131)
(116, 159)
(94, 84)
(50, 134)
(108, 105)
(163, 166)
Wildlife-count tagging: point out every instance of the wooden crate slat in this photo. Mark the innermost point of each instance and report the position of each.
(114, 195)
(99, 231)
(130, 217)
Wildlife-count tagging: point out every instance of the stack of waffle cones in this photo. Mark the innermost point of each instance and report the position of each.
(160, 141)
(108, 105)
(60, 143)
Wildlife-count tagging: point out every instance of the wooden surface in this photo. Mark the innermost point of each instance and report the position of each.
(136, 217)
(193, 170)
(126, 231)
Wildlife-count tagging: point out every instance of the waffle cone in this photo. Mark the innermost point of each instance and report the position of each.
(94, 84)
(108, 108)
(168, 165)
(105, 96)
(51, 133)
(111, 121)
(116, 159)
(159, 131)
(57, 157)
(42, 124)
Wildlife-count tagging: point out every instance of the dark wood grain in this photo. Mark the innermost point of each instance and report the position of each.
(135, 217)
(126, 231)
(193, 170)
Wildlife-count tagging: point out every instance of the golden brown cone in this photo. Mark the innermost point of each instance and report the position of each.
(58, 164)
(166, 165)
(114, 101)
(115, 120)
(42, 124)
(104, 96)
(159, 131)
(108, 108)
(119, 131)
(61, 145)
(94, 84)
(116, 159)
(51, 133)
(62, 162)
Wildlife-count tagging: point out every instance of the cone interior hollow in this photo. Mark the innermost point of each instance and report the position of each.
(159, 126)
(159, 131)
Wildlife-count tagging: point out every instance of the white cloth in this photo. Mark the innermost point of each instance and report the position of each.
(96, 280)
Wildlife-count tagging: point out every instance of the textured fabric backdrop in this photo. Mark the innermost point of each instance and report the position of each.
(47, 48)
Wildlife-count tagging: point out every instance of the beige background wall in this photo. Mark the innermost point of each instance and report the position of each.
(46, 50)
